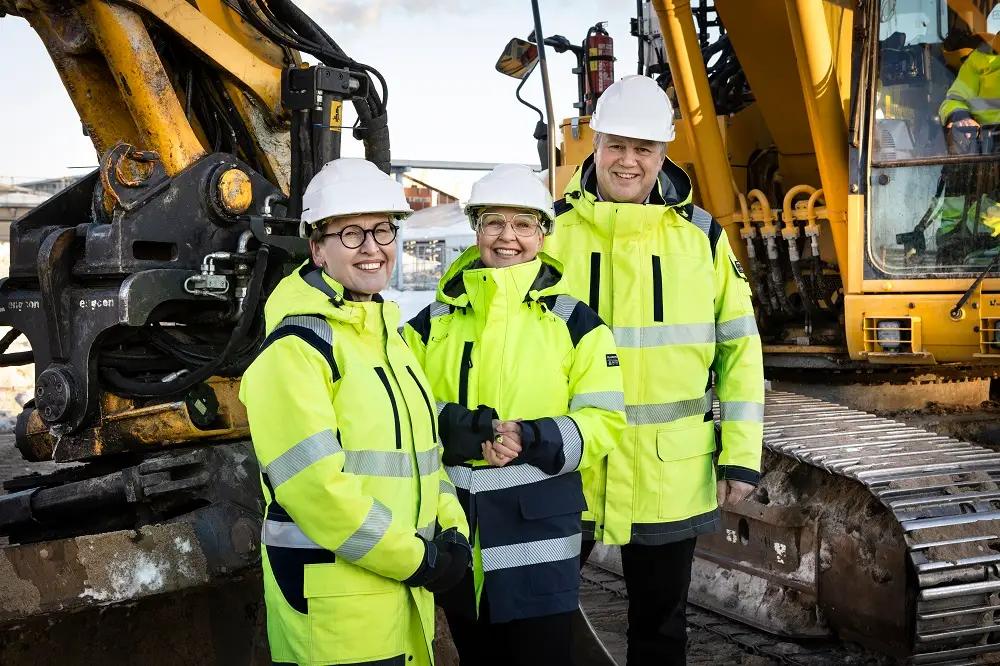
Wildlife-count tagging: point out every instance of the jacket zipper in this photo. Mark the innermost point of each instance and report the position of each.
(595, 282)
(657, 290)
(395, 408)
(427, 401)
(463, 375)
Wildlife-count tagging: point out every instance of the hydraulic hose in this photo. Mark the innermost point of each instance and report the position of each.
(188, 381)
(17, 358)
(777, 278)
(820, 287)
(800, 284)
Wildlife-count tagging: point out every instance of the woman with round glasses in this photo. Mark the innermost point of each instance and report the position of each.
(362, 524)
(529, 392)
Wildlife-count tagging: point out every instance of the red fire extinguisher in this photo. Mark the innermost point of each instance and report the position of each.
(599, 61)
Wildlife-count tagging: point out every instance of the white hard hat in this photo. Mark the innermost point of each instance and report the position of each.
(512, 185)
(351, 186)
(635, 107)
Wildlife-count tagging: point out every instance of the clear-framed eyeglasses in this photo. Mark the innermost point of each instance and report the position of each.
(353, 236)
(524, 224)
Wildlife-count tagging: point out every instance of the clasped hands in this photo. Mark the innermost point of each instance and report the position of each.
(505, 445)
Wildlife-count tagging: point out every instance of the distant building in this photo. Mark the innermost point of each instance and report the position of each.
(421, 195)
(15, 201)
(51, 186)
(431, 240)
(418, 197)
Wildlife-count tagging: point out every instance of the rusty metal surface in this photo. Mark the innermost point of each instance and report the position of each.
(260, 78)
(217, 625)
(185, 591)
(71, 574)
(144, 84)
(82, 69)
(126, 428)
(235, 191)
(900, 547)
(124, 566)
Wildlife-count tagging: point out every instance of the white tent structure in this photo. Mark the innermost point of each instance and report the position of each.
(431, 240)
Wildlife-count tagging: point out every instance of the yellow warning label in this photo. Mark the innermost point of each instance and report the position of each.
(336, 115)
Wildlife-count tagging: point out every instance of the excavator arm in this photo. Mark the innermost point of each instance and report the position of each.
(141, 287)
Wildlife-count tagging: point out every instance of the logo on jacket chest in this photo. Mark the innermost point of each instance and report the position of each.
(612, 360)
(738, 268)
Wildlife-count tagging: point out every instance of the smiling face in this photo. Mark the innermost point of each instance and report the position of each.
(363, 271)
(627, 168)
(508, 248)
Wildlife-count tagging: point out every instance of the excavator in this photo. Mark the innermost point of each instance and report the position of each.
(140, 289)
(811, 130)
(815, 132)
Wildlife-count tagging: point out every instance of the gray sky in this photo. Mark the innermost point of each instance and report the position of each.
(446, 101)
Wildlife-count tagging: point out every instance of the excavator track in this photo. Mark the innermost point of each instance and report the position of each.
(862, 529)
(945, 495)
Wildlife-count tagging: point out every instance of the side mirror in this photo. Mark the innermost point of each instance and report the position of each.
(518, 58)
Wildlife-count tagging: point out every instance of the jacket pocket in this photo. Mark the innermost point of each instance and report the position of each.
(558, 496)
(552, 510)
(354, 615)
(687, 471)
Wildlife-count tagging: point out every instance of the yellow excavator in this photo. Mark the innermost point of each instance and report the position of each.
(140, 289)
(811, 131)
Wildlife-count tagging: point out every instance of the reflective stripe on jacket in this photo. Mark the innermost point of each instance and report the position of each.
(509, 340)
(976, 90)
(344, 427)
(662, 275)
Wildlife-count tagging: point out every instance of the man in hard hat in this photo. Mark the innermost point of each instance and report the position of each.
(660, 272)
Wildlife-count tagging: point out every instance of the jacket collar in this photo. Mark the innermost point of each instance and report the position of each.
(310, 291)
(529, 281)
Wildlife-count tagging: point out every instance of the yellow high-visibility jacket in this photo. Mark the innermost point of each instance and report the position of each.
(344, 428)
(662, 275)
(976, 90)
(508, 343)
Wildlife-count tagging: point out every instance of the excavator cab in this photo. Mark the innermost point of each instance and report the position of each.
(935, 182)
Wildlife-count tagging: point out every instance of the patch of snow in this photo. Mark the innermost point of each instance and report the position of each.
(183, 545)
(7, 421)
(128, 578)
(96, 595)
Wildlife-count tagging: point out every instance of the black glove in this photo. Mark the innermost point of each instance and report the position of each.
(445, 562)
(463, 432)
(452, 542)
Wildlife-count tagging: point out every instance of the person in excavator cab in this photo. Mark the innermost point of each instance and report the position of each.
(362, 525)
(970, 116)
(660, 271)
(530, 392)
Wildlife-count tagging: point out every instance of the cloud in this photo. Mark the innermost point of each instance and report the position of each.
(367, 13)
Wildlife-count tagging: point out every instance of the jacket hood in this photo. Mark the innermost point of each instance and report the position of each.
(310, 291)
(542, 277)
(673, 187)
